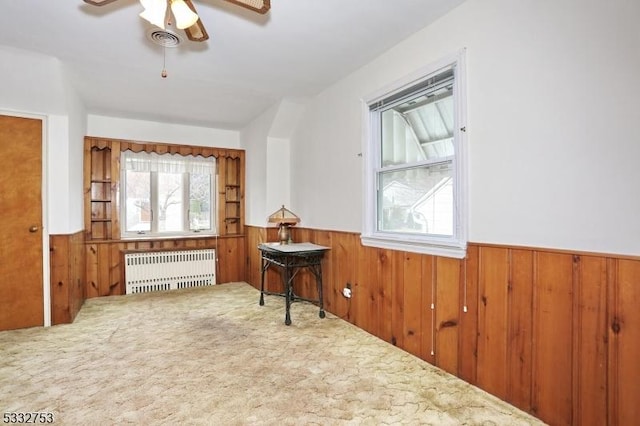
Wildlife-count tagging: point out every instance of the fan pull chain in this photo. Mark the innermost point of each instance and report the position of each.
(164, 62)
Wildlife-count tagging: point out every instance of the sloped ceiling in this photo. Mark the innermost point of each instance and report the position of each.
(249, 63)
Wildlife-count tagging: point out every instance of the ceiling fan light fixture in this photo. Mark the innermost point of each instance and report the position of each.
(155, 11)
(185, 17)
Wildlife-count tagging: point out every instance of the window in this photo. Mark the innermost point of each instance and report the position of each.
(167, 194)
(415, 172)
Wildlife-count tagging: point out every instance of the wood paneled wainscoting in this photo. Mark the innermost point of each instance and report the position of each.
(80, 270)
(105, 271)
(553, 332)
(67, 263)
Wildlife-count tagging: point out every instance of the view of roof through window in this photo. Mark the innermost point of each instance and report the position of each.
(415, 183)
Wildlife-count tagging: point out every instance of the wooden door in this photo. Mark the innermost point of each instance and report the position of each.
(21, 286)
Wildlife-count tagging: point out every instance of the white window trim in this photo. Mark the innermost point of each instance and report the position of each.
(154, 233)
(456, 246)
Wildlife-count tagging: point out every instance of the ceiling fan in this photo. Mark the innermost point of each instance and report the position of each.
(186, 18)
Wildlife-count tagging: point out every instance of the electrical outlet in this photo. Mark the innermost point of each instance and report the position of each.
(346, 292)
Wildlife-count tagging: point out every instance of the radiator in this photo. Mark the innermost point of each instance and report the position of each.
(169, 270)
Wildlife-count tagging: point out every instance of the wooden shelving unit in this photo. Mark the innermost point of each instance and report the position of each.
(99, 192)
(102, 180)
(231, 200)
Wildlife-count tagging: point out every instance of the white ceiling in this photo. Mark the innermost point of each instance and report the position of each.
(249, 62)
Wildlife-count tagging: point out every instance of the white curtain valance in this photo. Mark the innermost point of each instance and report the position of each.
(167, 163)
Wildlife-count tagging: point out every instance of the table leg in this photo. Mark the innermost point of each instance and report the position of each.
(319, 285)
(265, 265)
(287, 294)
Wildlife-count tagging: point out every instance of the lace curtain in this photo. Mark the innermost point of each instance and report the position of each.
(167, 163)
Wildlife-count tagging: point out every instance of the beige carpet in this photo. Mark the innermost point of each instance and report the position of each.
(213, 356)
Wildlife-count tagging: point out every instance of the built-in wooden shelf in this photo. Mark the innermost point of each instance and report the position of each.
(102, 179)
(231, 210)
(99, 195)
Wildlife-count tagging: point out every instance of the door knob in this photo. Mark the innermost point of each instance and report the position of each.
(33, 228)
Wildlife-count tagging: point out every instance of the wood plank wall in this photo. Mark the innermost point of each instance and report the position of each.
(105, 271)
(81, 270)
(554, 333)
(67, 265)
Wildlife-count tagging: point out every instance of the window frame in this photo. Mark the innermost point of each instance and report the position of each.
(153, 233)
(454, 246)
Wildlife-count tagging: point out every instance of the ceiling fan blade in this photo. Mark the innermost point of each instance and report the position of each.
(196, 32)
(260, 6)
(99, 2)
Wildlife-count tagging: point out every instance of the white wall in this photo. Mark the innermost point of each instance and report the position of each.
(58, 193)
(152, 131)
(553, 98)
(267, 141)
(77, 129)
(278, 175)
(254, 141)
(30, 82)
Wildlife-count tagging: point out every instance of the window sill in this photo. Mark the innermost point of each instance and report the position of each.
(155, 240)
(166, 237)
(421, 247)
